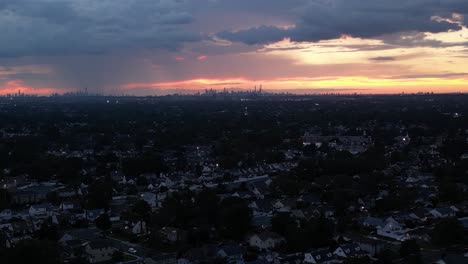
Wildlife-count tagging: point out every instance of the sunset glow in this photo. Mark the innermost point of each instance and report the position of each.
(206, 45)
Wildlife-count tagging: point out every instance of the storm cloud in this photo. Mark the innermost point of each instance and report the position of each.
(57, 27)
(325, 20)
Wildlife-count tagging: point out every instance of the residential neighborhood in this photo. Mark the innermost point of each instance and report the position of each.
(313, 179)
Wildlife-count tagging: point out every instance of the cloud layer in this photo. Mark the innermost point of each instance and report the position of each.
(56, 27)
(331, 19)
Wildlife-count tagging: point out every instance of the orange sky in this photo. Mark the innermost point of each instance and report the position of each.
(349, 64)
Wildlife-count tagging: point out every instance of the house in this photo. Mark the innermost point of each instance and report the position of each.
(40, 210)
(32, 193)
(231, 252)
(138, 228)
(397, 234)
(261, 207)
(73, 249)
(266, 240)
(150, 198)
(172, 235)
(323, 256)
(99, 251)
(244, 194)
(204, 254)
(285, 205)
(392, 224)
(68, 206)
(349, 250)
(6, 214)
(420, 215)
(371, 244)
(65, 238)
(378, 223)
(444, 212)
(389, 227)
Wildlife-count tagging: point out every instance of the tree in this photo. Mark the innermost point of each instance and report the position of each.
(448, 231)
(103, 222)
(32, 251)
(280, 223)
(142, 209)
(48, 231)
(409, 247)
(5, 199)
(449, 191)
(141, 181)
(100, 193)
(234, 218)
(386, 256)
(410, 251)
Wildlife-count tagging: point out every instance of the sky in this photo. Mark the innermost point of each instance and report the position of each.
(153, 47)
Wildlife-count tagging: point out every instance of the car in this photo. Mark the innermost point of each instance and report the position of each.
(132, 250)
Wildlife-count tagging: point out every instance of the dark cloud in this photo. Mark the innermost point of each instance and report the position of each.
(324, 20)
(382, 59)
(257, 35)
(57, 27)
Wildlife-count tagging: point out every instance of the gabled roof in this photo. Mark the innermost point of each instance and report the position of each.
(445, 210)
(352, 249)
(323, 255)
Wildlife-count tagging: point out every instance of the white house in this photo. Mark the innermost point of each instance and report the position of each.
(349, 250)
(67, 206)
(444, 212)
(6, 214)
(323, 256)
(394, 230)
(99, 251)
(150, 198)
(172, 235)
(40, 210)
(139, 228)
